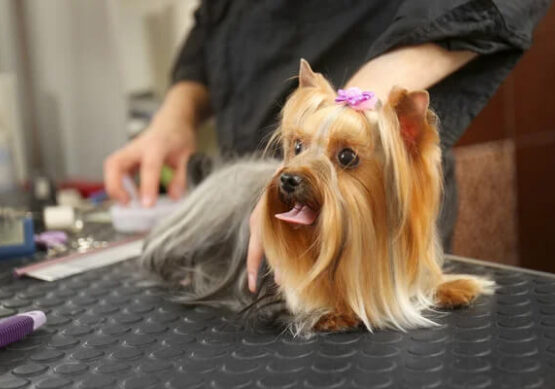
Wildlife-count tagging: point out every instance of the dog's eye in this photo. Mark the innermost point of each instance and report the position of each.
(347, 158)
(298, 147)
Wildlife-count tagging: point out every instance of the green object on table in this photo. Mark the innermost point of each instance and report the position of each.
(166, 176)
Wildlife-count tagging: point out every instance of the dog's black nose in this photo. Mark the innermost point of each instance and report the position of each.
(290, 182)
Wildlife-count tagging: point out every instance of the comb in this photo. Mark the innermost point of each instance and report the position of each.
(76, 263)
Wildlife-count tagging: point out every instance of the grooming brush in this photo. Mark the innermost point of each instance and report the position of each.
(16, 327)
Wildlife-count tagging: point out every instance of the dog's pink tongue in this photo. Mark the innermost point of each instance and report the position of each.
(299, 214)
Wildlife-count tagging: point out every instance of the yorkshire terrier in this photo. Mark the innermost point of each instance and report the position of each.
(349, 218)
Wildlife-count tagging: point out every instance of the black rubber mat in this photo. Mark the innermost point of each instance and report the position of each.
(106, 330)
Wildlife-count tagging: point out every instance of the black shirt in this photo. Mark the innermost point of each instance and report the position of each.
(247, 53)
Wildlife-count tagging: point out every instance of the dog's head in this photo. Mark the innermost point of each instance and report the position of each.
(349, 219)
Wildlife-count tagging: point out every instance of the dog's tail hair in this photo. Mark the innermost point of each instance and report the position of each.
(202, 248)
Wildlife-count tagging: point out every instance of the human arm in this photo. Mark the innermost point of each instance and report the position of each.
(411, 67)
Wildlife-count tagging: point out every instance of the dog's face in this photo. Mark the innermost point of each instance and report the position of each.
(355, 189)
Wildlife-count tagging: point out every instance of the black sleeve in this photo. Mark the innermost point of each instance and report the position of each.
(190, 62)
(500, 31)
(483, 26)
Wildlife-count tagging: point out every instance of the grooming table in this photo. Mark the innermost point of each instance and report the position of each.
(105, 329)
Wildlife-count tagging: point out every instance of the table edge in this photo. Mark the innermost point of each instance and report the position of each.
(454, 257)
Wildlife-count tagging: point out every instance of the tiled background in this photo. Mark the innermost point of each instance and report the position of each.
(506, 166)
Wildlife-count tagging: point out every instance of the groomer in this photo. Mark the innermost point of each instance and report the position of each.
(238, 61)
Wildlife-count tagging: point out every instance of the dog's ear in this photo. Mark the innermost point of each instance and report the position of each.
(415, 120)
(307, 77)
(310, 79)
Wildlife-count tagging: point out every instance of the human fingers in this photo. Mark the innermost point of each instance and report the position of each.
(178, 182)
(255, 249)
(151, 165)
(115, 167)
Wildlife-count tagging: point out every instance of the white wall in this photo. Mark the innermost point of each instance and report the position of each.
(131, 41)
(81, 60)
(7, 50)
(77, 88)
(148, 34)
(13, 121)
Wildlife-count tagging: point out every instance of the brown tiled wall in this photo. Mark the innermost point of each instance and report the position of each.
(523, 114)
(486, 224)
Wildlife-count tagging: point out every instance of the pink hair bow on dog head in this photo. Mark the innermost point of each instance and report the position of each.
(357, 99)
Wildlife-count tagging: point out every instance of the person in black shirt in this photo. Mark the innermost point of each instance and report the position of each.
(240, 59)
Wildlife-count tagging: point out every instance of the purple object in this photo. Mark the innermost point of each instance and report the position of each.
(357, 99)
(16, 327)
(51, 238)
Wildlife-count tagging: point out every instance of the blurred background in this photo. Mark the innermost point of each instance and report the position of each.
(78, 78)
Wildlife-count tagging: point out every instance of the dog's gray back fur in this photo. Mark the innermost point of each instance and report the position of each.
(202, 248)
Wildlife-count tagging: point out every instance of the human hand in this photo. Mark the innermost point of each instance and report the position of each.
(255, 249)
(166, 141)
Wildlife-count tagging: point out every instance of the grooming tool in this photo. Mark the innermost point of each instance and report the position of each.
(16, 327)
(166, 176)
(76, 263)
(59, 217)
(136, 218)
(16, 235)
(51, 238)
(54, 243)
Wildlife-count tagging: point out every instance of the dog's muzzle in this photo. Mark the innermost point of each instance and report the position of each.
(289, 183)
(293, 192)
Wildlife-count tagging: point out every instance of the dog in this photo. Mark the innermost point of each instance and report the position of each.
(348, 218)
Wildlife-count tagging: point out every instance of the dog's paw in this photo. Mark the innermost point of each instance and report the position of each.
(334, 322)
(456, 293)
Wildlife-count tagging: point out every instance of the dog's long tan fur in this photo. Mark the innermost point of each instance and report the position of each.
(372, 255)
